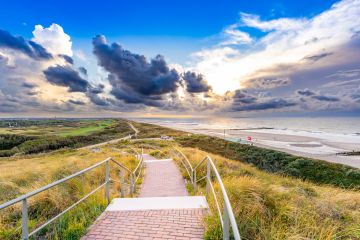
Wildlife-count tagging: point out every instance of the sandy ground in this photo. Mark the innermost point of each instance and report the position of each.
(312, 147)
(317, 147)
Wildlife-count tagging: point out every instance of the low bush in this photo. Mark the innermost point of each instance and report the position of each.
(277, 162)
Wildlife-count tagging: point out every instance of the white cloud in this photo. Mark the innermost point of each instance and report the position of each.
(54, 39)
(286, 42)
(234, 36)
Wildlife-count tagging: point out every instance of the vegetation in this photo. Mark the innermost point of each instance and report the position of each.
(268, 160)
(278, 162)
(86, 134)
(154, 131)
(274, 195)
(40, 170)
(269, 206)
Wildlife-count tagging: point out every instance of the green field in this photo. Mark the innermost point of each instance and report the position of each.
(56, 128)
(30, 136)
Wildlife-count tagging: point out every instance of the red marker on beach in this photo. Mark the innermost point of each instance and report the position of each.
(249, 138)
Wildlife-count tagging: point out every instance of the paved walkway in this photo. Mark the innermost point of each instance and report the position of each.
(162, 179)
(163, 210)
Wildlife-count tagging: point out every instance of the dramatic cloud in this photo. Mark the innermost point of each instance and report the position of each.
(267, 83)
(133, 78)
(317, 96)
(317, 56)
(326, 98)
(305, 92)
(29, 48)
(195, 83)
(244, 101)
(285, 47)
(243, 97)
(76, 102)
(271, 104)
(54, 39)
(67, 58)
(83, 70)
(66, 77)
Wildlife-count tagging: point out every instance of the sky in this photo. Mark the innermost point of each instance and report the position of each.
(180, 58)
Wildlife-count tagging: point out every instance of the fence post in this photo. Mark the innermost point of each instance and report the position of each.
(24, 220)
(122, 182)
(208, 178)
(107, 182)
(194, 181)
(226, 227)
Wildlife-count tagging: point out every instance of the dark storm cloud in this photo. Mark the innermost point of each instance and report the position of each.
(268, 82)
(133, 78)
(317, 57)
(245, 101)
(93, 95)
(28, 85)
(67, 58)
(83, 70)
(305, 92)
(317, 96)
(76, 102)
(29, 48)
(195, 83)
(66, 77)
(326, 98)
(243, 97)
(96, 90)
(276, 103)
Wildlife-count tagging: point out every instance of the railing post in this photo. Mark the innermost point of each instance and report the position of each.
(194, 181)
(226, 226)
(107, 182)
(134, 183)
(131, 184)
(122, 182)
(24, 220)
(208, 178)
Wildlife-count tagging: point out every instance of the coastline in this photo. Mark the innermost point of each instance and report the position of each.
(299, 145)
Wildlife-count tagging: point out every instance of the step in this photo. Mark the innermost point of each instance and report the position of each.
(158, 203)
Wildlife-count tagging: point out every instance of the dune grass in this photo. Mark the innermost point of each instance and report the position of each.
(269, 206)
(27, 173)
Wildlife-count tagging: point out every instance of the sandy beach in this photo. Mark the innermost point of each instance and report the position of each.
(305, 146)
(313, 144)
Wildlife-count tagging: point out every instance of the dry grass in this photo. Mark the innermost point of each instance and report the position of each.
(24, 174)
(269, 206)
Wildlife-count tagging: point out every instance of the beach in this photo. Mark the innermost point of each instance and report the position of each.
(320, 140)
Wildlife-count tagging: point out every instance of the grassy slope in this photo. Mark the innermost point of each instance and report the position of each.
(265, 159)
(278, 162)
(266, 205)
(91, 128)
(58, 128)
(269, 206)
(89, 132)
(24, 174)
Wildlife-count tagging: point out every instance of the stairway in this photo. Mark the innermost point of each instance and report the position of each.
(163, 209)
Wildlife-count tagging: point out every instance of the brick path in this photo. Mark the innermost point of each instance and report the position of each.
(149, 224)
(162, 179)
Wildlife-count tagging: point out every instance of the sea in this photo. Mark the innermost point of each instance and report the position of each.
(344, 129)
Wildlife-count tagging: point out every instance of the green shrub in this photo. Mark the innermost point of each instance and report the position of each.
(277, 162)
